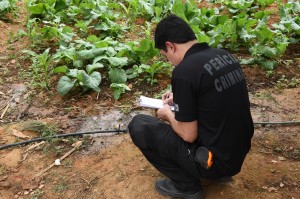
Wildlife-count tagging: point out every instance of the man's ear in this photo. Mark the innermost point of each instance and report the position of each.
(170, 46)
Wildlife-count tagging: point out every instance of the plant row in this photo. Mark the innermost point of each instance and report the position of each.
(86, 41)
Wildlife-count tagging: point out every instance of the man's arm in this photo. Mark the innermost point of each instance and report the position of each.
(188, 131)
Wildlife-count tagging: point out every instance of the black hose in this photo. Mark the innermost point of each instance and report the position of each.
(60, 135)
(117, 132)
(280, 123)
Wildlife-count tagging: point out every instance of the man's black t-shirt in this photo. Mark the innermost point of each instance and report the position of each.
(209, 86)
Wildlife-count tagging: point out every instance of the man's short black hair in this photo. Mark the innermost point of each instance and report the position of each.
(173, 29)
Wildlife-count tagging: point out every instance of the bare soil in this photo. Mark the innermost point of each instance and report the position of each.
(111, 166)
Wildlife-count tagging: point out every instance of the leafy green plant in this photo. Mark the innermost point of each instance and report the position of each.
(41, 67)
(62, 186)
(36, 194)
(284, 82)
(119, 89)
(146, 50)
(7, 6)
(74, 77)
(289, 20)
(91, 47)
(153, 70)
(43, 129)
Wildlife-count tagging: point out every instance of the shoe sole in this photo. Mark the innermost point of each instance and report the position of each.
(185, 196)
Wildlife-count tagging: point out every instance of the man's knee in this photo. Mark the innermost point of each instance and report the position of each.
(137, 131)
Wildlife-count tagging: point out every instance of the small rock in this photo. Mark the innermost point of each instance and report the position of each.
(26, 192)
(281, 185)
(17, 100)
(3, 178)
(272, 189)
(14, 170)
(4, 185)
(281, 158)
(41, 186)
(265, 187)
(57, 162)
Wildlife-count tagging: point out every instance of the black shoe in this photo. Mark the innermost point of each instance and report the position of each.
(166, 187)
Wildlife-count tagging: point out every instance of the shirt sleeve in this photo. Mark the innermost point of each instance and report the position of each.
(185, 100)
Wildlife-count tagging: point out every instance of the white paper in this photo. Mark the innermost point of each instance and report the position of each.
(151, 102)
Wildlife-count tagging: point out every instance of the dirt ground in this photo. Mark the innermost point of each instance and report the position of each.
(111, 166)
(119, 170)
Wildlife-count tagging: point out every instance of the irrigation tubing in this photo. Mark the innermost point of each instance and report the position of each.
(61, 135)
(117, 132)
(279, 123)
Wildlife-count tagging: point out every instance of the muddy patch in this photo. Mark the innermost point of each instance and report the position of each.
(113, 120)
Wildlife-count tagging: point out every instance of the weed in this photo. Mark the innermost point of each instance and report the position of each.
(265, 95)
(62, 186)
(4, 71)
(10, 47)
(284, 82)
(168, 88)
(270, 73)
(68, 163)
(53, 148)
(41, 67)
(294, 82)
(2, 169)
(37, 194)
(12, 56)
(43, 129)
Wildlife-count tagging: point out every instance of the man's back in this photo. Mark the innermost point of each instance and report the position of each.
(212, 80)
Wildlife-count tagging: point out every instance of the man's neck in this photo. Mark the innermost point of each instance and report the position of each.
(183, 48)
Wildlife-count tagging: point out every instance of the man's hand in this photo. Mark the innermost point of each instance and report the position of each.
(167, 98)
(165, 113)
(188, 131)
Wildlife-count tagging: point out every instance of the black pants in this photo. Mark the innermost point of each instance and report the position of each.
(166, 151)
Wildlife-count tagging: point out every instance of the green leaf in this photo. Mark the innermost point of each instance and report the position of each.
(268, 64)
(102, 26)
(117, 61)
(148, 8)
(146, 50)
(248, 61)
(4, 5)
(117, 75)
(246, 36)
(30, 52)
(91, 67)
(179, 9)
(72, 73)
(91, 81)
(93, 38)
(264, 34)
(78, 63)
(92, 53)
(119, 89)
(60, 5)
(37, 8)
(267, 51)
(60, 69)
(65, 84)
(265, 3)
